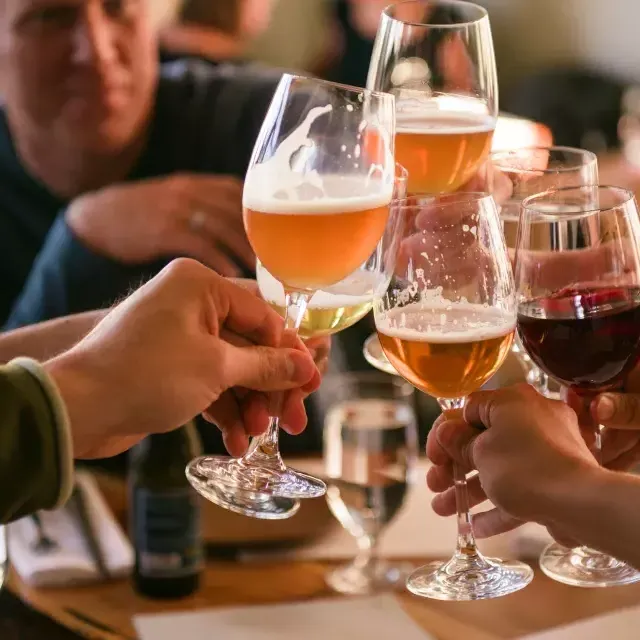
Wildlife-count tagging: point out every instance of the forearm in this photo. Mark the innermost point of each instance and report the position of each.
(35, 447)
(599, 510)
(47, 339)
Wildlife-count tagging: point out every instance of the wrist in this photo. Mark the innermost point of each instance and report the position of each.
(89, 412)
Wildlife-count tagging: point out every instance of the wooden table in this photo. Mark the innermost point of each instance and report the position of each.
(543, 605)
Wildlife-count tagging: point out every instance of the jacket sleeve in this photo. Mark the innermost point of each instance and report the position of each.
(67, 278)
(35, 445)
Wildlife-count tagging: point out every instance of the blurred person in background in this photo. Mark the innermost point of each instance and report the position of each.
(215, 31)
(112, 164)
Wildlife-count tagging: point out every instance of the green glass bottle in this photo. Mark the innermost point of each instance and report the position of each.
(165, 515)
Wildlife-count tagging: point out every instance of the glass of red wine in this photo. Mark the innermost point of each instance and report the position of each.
(578, 280)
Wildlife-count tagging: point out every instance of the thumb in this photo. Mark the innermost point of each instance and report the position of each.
(268, 368)
(617, 410)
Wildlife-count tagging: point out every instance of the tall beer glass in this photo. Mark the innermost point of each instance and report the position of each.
(316, 203)
(446, 324)
(437, 58)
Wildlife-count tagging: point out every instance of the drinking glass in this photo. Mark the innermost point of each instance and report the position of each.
(446, 324)
(530, 171)
(578, 281)
(316, 203)
(340, 306)
(436, 57)
(370, 448)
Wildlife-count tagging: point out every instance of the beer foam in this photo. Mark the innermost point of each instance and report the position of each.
(446, 323)
(357, 289)
(335, 197)
(444, 123)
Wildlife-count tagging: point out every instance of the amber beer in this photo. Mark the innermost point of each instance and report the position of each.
(448, 352)
(313, 244)
(442, 152)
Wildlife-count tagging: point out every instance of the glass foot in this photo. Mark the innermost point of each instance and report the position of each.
(375, 355)
(230, 475)
(584, 567)
(247, 503)
(352, 579)
(469, 578)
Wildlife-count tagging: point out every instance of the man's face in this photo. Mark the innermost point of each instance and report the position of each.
(83, 71)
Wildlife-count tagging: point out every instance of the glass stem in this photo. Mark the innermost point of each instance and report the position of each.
(466, 545)
(367, 552)
(264, 450)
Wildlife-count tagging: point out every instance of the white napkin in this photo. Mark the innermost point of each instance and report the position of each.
(373, 618)
(415, 532)
(619, 625)
(71, 562)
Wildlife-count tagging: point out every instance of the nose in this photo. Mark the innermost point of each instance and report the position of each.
(93, 37)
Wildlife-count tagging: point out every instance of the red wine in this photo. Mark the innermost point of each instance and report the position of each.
(588, 339)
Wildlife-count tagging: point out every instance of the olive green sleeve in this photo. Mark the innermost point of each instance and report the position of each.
(36, 466)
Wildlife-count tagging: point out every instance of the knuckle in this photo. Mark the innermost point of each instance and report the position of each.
(185, 269)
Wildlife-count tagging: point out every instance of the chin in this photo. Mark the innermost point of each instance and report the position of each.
(104, 137)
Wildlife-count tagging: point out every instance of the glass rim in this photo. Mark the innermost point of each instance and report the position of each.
(483, 13)
(581, 212)
(340, 85)
(584, 153)
(444, 200)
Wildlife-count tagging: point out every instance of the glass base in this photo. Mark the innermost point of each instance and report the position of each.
(247, 503)
(469, 578)
(584, 567)
(352, 579)
(230, 475)
(375, 355)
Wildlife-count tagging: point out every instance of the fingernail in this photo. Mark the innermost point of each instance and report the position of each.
(605, 408)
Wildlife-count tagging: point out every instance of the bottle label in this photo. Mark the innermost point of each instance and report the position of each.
(167, 533)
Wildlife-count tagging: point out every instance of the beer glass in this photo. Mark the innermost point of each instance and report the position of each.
(446, 324)
(436, 57)
(528, 171)
(578, 280)
(316, 203)
(340, 306)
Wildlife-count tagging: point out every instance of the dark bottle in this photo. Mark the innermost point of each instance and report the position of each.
(165, 515)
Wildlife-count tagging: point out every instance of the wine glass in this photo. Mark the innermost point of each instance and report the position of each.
(316, 203)
(341, 305)
(446, 323)
(436, 57)
(578, 281)
(529, 171)
(370, 448)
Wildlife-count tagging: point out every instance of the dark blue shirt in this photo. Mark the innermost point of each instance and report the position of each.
(206, 120)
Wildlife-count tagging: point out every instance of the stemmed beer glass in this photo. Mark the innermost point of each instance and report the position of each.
(446, 324)
(578, 281)
(436, 57)
(316, 203)
(529, 171)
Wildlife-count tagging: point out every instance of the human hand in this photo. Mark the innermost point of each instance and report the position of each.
(531, 446)
(169, 352)
(191, 215)
(618, 413)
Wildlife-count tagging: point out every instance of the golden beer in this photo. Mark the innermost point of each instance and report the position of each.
(314, 243)
(448, 352)
(442, 152)
(329, 311)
